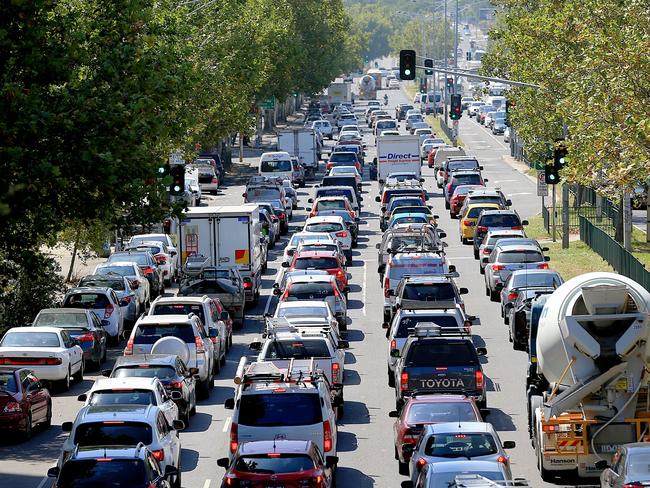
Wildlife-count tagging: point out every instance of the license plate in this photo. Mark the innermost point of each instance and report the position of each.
(621, 384)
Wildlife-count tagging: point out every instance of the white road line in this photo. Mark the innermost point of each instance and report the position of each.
(365, 267)
(268, 304)
(43, 481)
(522, 193)
(207, 483)
(226, 424)
(504, 181)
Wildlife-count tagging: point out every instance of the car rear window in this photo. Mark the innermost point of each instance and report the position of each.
(495, 238)
(150, 333)
(120, 270)
(273, 166)
(145, 371)
(287, 349)
(439, 412)
(407, 324)
(319, 247)
(122, 397)
(460, 445)
(303, 312)
(92, 301)
(521, 256)
(310, 291)
(474, 212)
(500, 220)
(315, 263)
(407, 202)
(338, 192)
(115, 284)
(429, 292)
(30, 339)
(465, 164)
(343, 157)
(530, 280)
(53, 319)
(94, 473)
(137, 257)
(340, 180)
(278, 464)
(394, 193)
(114, 433)
(324, 227)
(179, 309)
(473, 179)
(441, 353)
(280, 409)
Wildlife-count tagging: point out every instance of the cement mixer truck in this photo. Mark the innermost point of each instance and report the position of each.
(590, 390)
(367, 88)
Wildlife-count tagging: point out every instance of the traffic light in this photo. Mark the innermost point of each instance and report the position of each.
(407, 64)
(456, 107)
(468, 56)
(551, 174)
(559, 154)
(163, 170)
(428, 63)
(177, 173)
(509, 104)
(450, 83)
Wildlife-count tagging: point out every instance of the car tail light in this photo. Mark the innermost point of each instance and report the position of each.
(632, 485)
(282, 216)
(393, 344)
(31, 361)
(214, 340)
(340, 275)
(108, 311)
(199, 344)
(386, 285)
(316, 481)
(85, 337)
(176, 384)
(128, 350)
(12, 407)
(327, 436)
(343, 234)
(148, 270)
(336, 373)
(480, 379)
(215, 180)
(503, 460)
(234, 442)
(248, 284)
(404, 381)
(467, 222)
(487, 251)
(127, 299)
(498, 267)
(160, 258)
(513, 295)
(158, 454)
(481, 228)
(420, 463)
(542, 266)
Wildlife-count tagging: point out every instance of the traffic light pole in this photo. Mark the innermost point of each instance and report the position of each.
(553, 219)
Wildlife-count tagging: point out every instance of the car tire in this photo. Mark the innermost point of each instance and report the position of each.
(481, 404)
(475, 253)
(193, 408)
(211, 382)
(64, 384)
(391, 379)
(222, 361)
(403, 468)
(446, 205)
(78, 377)
(48, 416)
(177, 480)
(481, 269)
(27, 433)
(494, 296)
(487, 291)
(216, 367)
(464, 240)
(204, 389)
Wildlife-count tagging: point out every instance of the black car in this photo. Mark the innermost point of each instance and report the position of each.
(350, 181)
(169, 369)
(495, 219)
(402, 109)
(147, 264)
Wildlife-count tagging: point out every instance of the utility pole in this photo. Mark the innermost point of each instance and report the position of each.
(446, 54)
(456, 123)
(565, 202)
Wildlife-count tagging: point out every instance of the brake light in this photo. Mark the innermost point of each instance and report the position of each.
(498, 267)
(487, 251)
(336, 373)
(234, 442)
(199, 344)
(128, 350)
(175, 384)
(161, 258)
(542, 266)
(282, 216)
(513, 295)
(340, 275)
(393, 344)
(108, 311)
(481, 228)
(12, 407)
(467, 222)
(550, 428)
(420, 463)
(517, 227)
(404, 381)
(386, 285)
(342, 234)
(85, 337)
(159, 455)
(480, 379)
(127, 299)
(248, 284)
(215, 180)
(148, 270)
(327, 436)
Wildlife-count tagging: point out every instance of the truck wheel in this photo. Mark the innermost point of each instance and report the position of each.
(403, 468)
(494, 296)
(481, 269)
(391, 379)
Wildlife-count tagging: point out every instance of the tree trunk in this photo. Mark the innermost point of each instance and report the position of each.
(74, 256)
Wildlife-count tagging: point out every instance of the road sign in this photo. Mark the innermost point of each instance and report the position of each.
(268, 104)
(542, 187)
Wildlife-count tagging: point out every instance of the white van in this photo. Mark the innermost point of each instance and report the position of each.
(499, 103)
(276, 165)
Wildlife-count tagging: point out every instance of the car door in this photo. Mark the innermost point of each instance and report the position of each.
(220, 326)
(35, 395)
(72, 351)
(167, 405)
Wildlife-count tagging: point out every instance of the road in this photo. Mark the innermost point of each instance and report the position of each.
(365, 444)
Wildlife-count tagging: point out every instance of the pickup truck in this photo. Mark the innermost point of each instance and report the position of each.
(231, 295)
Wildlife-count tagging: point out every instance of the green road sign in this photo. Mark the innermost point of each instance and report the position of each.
(267, 104)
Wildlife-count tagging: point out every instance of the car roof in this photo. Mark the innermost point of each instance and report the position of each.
(40, 328)
(459, 427)
(94, 452)
(117, 263)
(65, 311)
(522, 272)
(304, 303)
(485, 205)
(317, 254)
(168, 319)
(324, 218)
(150, 359)
(331, 198)
(509, 241)
(438, 398)
(282, 446)
(465, 172)
(499, 212)
(88, 289)
(325, 277)
(428, 279)
(517, 246)
(497, 232)
(467, 465)
(122, 412)
(127, 383)
(181, 299)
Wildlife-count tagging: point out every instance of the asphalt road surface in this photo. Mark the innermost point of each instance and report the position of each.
(365, 445)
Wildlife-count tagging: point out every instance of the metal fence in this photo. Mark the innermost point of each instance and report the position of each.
(612, 252)
(446, 129)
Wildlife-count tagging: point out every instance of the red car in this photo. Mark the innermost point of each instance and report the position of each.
(321, 260)
(420, 410)
(458, 197)
(289, 464)
(24, 402)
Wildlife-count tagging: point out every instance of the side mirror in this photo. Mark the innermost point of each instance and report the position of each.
(172, 253)
(421, 180)
(343, 345)
(508, 202)
(377, 199)
(394, 353)
(178, 425)
(390, 292)
(285, 264)
(82, 398)
(223, 462)
(435, 216)
(176, 395)
(310, 200)
(442, 234)
(509, 444)
(481, 351)
(277, 292)
(291, 252)
(385, 325)
(381, 182)
(377, 246)
(463, 291)
(383, 209)
(601, 464)
(171, 470)
(547, 258)
(307, 209)
(524, 222)
(331, 461)
(484, 260)
(107, 372)
(53, 472)
(255, 346)
(194, 371)
(452, 268)
(229, 404)
(485, 180)
(66, 426)
(480, 167)
(135, 286)
(394, 414)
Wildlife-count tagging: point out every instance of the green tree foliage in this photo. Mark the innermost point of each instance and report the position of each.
(426, 37)
(590, 58)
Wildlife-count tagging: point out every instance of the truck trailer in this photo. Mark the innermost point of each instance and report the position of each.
(397, 154)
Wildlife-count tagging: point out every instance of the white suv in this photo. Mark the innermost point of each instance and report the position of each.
(183, 335)
(336, 228)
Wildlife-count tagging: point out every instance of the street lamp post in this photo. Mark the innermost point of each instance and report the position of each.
(446, 54)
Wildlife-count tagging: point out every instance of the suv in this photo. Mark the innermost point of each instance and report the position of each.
(104, 303)
(211, 318)
(148, 265)
(124, 425)
(423, 290)
(122, 288)
(176, 334)
(490, 220)
(459, 163)
(336, 228)
(273, 404)
(431, 362)
(481, 194)
(123, 466)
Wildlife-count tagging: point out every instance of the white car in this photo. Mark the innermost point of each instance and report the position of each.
(161, 254)
(413, 119)
(393, 85)
(324, 127)
(388, 133)
(165, 239)
(336, 228)
(424, 133)
(299, 237)
(415, 125)
(345, 171)
(130, 270)
(193, 182)
(107, 392)
(49, 352)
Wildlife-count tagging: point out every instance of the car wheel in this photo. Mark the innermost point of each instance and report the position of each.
(64, 384)
(403, 468)
(391, 379)
(482, 404)
(475, 253)
(79, 375)
(204, 388)
(48, 416)
(446, 205)
(494, 296)
(193, 409)
(177, 480)
(103, 354)
(216, 367)
(222, 361)
(27, 433)
(481, 269)
(211, 382)
(464, 240)
(487, 291)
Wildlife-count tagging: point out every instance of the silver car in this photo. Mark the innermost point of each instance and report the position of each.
(629, 467)
(523, 280)
(129, 269)
(505, 259)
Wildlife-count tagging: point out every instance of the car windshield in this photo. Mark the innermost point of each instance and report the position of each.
(179, 309)
(441, 354)
(343, 158)
(280, 409)
(54, 319)
(407, 324)
(30, 339)
(8, 382)
(102, 473)
(471, 179)
(324, 227)
(276, 166)
(120, 270)
(145, 371)
(278, 464)
(143, 259)
(474, 212)
(315, 263)
(302, 312)
(500, 220)
(439, 412)
(460, 445)
(331, 205)
(530, 280)
(520, 256)
(429, 292)
(297, 349)
(150, 333)
(465, 164)
(112, 433)
(103, 282)
(310, 291)
(122, 397)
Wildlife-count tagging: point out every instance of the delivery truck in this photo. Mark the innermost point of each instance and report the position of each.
(398, 154)
(302, 144)
(339, 93)
(227, 236)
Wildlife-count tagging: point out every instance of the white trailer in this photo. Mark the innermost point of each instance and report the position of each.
(229, 236)
(397, 154)
(302, 144)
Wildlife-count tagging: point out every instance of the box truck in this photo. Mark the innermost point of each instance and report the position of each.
(397, 154)
(339, 93)
(302, 144)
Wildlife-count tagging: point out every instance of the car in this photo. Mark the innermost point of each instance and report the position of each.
(498, 126)
(490, 220)
(407, 218)
(351, 223)
(162, 238)
(83, 326)
(208, 177)
(489, 118)
(125, 467)
(282, 212)
(346, 171)
(491, 238)
(324, 127)
(139, 282)
(226, 295)
(148, 265)
(296, 404)
(160, 253)
(444, 442)
(270, 222)
(520, 316)
(103, 428)
(629, 467)
(463, 177)
(412, 119)
(481, 194)
(346, 191)
(467, 220)
(320, 260)
(459, 163)
(335, 227)
(279, 463)
(393, 85)
(183, 335)
(453, 473)
(355, 148)
(406, 188)
(458, 197)
(422, 410)
(192, 182)
(50, 353)
(507, 258)
(521, 280)
(398, 201)
(292, 194)
(406, 239)
(415, 125)
(473, 107)
(122, 287)
(439, 159)
(418, 292)
(412, 212)
(466, 102)
(172, 372)
(305, 237)
(482, 112)
(104, 303)
(213, 316)
(424, 133)
(401, 109)
(24, 402)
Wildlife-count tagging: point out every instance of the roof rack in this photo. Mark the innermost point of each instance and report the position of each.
(267, 372)
(431, 329)
(428, 305)
(478, 481)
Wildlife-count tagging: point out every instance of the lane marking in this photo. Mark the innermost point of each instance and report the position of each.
(43, 481)
(365, 267)
(226, 424)
(522, 193)
(207, 483)
(268, 304)
(504, 181)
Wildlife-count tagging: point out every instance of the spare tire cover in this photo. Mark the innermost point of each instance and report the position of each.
(172, 345)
